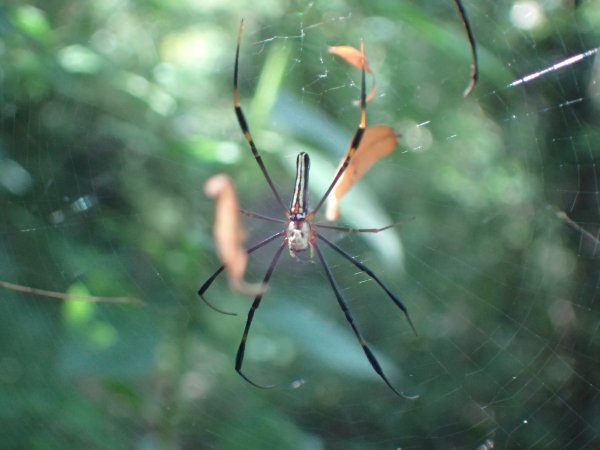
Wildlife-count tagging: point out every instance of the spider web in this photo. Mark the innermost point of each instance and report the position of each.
(113, 116)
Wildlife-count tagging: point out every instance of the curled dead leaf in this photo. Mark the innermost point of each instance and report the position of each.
(351, 55)
(229, 234)
(354, 57)
(378, 141)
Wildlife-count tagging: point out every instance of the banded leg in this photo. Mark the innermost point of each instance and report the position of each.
(369, 272)
(213, 277)
(239, 359)
(244, 124)
(370, 356)
(355, 140)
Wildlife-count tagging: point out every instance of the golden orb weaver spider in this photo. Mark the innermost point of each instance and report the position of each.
(300, 233)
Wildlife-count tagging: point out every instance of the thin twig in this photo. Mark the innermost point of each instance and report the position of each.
(65, 296)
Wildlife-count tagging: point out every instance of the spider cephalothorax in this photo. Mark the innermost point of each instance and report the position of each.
(299, 236)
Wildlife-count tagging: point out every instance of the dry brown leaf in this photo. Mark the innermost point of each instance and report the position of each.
(354, 57)
(378, 141)
(229, 234)
(351, 55)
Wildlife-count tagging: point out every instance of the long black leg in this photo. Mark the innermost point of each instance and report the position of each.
(358, 230)
(369, 272)
(239, 359)
(244, 124)
(370, 356)
(212, 278)
(474, 69)
(355, 140)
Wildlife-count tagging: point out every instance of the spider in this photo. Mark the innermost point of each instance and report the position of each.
(301, 234)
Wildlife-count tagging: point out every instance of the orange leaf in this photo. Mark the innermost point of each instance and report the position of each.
(229, 234)
(378, 141)
(354, 57)
(351, 55)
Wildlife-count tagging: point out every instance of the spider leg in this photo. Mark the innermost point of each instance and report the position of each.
(212, 278)
(261, 217)
(474, 70)
(369, 272)
(362, 124)
(359, 230)
(370, 356)
(239, 359)
(244, 124)
(206, 285)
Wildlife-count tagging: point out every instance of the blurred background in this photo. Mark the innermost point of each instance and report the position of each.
(113, 114)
